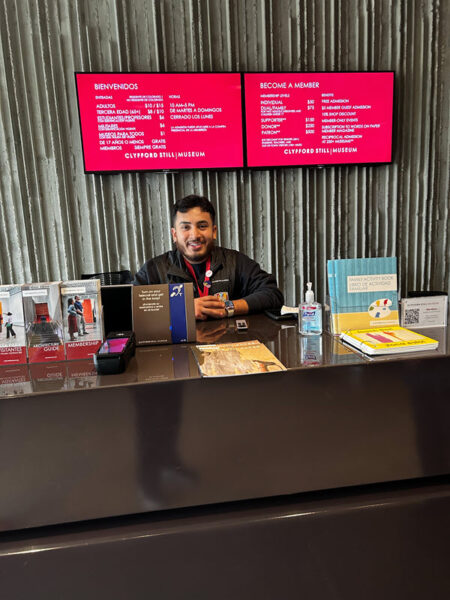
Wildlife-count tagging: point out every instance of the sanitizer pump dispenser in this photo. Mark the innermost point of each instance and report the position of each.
(310, 314)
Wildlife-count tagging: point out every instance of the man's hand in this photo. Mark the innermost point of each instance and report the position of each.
(209, 306)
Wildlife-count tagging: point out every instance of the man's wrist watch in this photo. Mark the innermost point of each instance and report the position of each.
(229, 308)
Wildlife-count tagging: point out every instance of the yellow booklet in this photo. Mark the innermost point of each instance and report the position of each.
(387, 340)
(239, 358)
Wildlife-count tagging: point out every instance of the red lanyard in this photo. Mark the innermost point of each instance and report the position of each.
(208, 274)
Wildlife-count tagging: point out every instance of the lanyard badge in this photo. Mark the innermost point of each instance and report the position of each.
(206, 281)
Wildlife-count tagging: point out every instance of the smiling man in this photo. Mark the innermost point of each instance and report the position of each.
(226, 282)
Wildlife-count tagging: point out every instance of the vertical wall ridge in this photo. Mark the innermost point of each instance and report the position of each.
(59, 222)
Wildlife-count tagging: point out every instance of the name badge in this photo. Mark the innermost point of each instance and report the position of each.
(222, 296)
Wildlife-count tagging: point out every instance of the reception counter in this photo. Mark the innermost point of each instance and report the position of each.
(158, 483)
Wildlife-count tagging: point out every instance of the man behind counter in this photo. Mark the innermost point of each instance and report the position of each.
(226, 282)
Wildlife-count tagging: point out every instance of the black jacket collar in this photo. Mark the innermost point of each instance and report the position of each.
(177, 266)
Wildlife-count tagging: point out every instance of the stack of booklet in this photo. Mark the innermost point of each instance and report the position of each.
(387, 340)
(363, 293)
(49, 321)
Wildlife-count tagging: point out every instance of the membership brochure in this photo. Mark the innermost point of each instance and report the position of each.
(239, 358)
(388, 340)
(82, 317)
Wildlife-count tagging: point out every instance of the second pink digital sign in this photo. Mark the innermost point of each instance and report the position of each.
(156, 121)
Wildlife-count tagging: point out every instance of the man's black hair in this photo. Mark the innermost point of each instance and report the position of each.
(193, 201)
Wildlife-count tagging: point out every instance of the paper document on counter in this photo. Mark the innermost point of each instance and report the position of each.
(239, 358)
(287, 310)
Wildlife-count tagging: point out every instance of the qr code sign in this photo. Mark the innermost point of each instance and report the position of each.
(411, 316)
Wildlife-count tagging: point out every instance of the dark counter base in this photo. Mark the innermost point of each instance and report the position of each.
(386, 542)
(79, 455)
(239, 487)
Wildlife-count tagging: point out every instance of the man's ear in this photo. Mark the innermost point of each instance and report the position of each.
(174, 234)
(214, 232)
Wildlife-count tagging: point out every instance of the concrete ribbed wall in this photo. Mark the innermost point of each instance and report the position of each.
(58, 223)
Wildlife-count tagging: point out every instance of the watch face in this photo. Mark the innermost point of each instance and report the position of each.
(229, 307)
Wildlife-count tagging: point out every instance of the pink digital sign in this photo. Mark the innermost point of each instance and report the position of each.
(159, 121)
(318, 118)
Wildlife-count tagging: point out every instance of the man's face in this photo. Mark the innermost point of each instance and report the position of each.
(194, 234)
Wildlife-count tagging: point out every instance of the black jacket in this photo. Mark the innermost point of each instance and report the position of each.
(233, 272)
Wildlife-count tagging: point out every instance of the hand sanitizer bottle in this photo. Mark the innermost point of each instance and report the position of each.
(310, 314)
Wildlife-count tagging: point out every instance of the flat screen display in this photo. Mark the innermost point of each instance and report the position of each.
(318, 118)
(113, 345)
(160, 121)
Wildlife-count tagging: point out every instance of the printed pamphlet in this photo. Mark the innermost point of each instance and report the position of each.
(163, 314)
(43, 322)
(13, 346)
(239, 358)
(82, 317)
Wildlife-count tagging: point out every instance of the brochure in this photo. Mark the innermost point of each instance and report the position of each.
(13, 346)
(82, 317)
(239, 358)
(43, 322)
(388, 340)
(163, 314)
